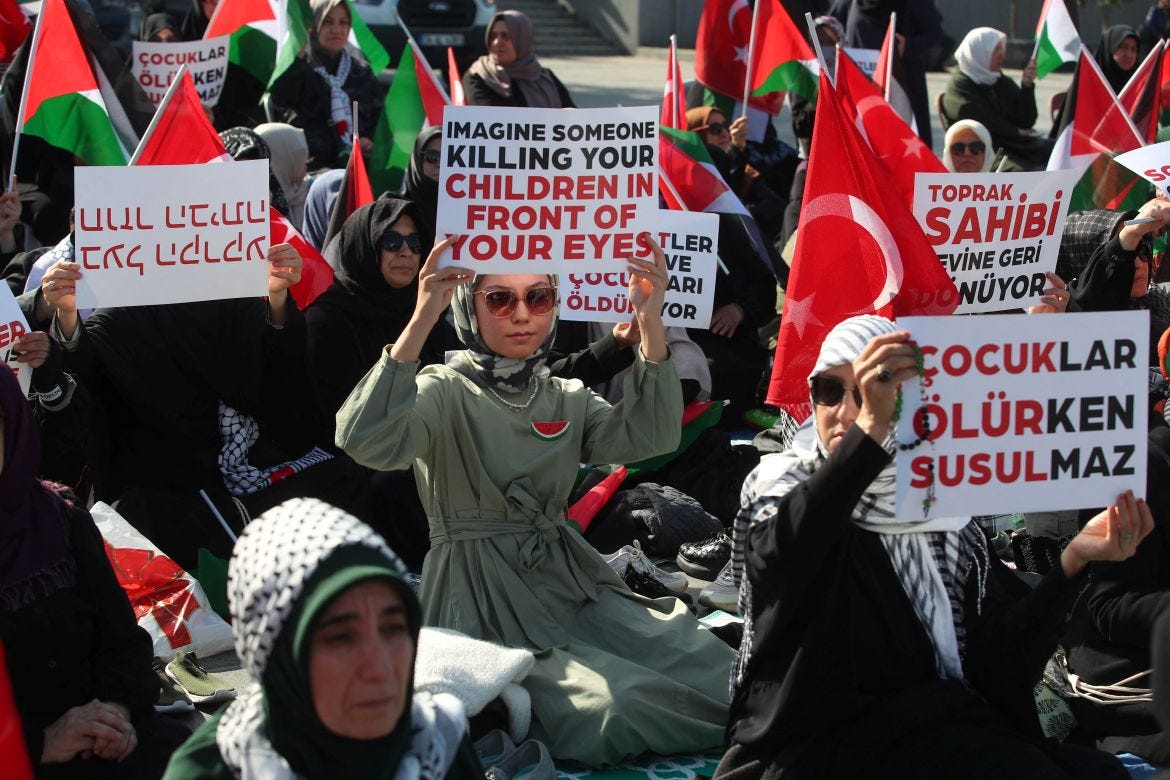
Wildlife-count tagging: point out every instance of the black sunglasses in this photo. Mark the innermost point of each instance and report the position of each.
(392, 242)
(502, 303)
(827, 391)
(431, 156)
(976, 147)
(717, 127)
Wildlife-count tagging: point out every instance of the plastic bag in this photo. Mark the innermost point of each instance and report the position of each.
(168, 602)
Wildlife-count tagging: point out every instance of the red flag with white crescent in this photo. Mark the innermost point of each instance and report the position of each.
(674, 107)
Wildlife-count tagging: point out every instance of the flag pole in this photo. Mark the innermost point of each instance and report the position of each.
(1036, 45)
(34, 44)
(812, 31)
(354, 126)
(414, 49)
(154, 120)
(674, 71)
(747, 80)
(893, 34)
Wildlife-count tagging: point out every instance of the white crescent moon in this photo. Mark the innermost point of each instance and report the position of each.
(736, 7)
(866, 104)
(838, 204)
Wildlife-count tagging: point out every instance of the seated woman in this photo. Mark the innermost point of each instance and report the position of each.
(967, 148)
(79, 663)
(317, 91)
(496, 445)
(877, 646)
(1117, 54)
(328, 633)
(509, 74)
(289, 159)
(978, 90)
(422, 175)
(159, 28)
(319, 206)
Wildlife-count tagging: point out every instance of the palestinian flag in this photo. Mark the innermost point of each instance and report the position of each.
(354, 193)
(360, 36)
(266, 35)
(1057, 40)
(1142, 95)
(416, 101)
(690, 181)
(63, 102)
(458, 98)
(1093, 129)
(781, 61)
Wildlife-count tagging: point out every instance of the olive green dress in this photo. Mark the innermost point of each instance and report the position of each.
(617, 674)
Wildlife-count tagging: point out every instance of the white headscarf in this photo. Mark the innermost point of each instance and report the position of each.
(978, 129)
(289, 156)
(974, 55)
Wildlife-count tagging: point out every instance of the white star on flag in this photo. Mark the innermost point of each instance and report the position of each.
(799, 313)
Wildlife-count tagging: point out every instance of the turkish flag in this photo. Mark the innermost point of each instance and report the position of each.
(14, 29)
(316, 274)
(898, 147)
(183, 134)
(858, 251)
(721, 52)
(674, 106)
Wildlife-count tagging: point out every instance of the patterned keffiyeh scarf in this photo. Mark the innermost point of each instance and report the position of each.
(341, 110)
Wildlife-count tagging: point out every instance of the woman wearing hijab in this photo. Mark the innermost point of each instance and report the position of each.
(158, 28)
(496, 444)
(318, 90)
(967, 148)
(509, 74)
(198, 16)
(918, 654)
(319, 205)
(289, 158)
(79, 663)
(1117, 54)
(978, 90)
(327, 629)
(422, 175)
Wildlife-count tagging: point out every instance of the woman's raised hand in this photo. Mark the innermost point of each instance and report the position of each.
(886, 362)
(1112, 535)
(648, 281)
(436, 286)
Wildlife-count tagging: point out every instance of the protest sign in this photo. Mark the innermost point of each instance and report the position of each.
(13, 325)
(171, 233)
(866, 59)
(690, 241)
(1152, 163)
(1026, 413)
(534, 190)
(995, 233)
(155, 66)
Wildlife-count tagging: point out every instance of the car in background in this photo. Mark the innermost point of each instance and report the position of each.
(435, 25)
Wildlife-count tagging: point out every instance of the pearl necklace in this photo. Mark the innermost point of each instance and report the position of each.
(517, 408)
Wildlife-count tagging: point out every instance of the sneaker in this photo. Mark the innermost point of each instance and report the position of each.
(632, 556)
(530, 761)
(493, 747)
(722, 593)
(171, 699)
(705, 559)
(200, 687)
(645, 585)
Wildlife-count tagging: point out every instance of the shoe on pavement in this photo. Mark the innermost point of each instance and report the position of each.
(530, 761)
(632, 556)
(722, 593)
(705, 559)
(493, 746)
(645, 585)
(171, 699)
(200, 687)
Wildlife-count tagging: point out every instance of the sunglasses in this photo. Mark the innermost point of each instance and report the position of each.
(431, 156)
(502, 303)
(392, 242)
(827, 391)
(717, 127)
(975, 147)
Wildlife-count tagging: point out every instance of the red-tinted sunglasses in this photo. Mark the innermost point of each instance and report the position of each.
(502, 303)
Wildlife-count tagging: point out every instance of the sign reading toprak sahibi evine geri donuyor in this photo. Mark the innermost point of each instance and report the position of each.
(534, 190)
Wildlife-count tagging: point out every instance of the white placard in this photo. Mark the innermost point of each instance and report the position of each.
(536, 190)
(1026, 413)
(171, 233)
(13, 325)
(865, 59)
(690, 241)
(996, 234)
(1152, 163)
(155, 65)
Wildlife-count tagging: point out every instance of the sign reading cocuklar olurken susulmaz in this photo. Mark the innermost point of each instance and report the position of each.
(996, 234)
(533, 190)
(171, 233)
(690, 241)
(13, 325)
(1025, 413)
(155, 66)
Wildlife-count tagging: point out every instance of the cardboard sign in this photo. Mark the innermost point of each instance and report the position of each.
(171, 233)
(13, 325)
(996, 234)
(535, 190)
(690, 241)
(155, 66)
(1026, 413)
(1152, 163)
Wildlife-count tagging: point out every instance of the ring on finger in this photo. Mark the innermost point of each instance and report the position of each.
(1125, 537)
(884, 373)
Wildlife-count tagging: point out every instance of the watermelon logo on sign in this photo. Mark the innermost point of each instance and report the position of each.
(550, 431)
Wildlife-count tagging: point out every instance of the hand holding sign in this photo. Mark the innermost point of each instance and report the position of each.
(59, 291)
(1131, 235)
(436, 287)
(1055, 299)
(886, 362)
(32, 349)
(1112, 535)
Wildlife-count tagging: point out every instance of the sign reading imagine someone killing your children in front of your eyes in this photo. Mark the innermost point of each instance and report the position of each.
(534, 190)
(690, 241)
(148, 234)
(1026, 413)
(996, 234)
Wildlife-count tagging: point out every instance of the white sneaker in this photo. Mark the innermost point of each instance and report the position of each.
(632, 555)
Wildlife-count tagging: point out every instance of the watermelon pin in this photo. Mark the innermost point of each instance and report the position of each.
(550, 431)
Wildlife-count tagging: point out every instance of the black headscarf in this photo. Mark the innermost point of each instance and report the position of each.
(156, 23)
(419, 187)
(243, 143)
(194, 23)
(1110, 42)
